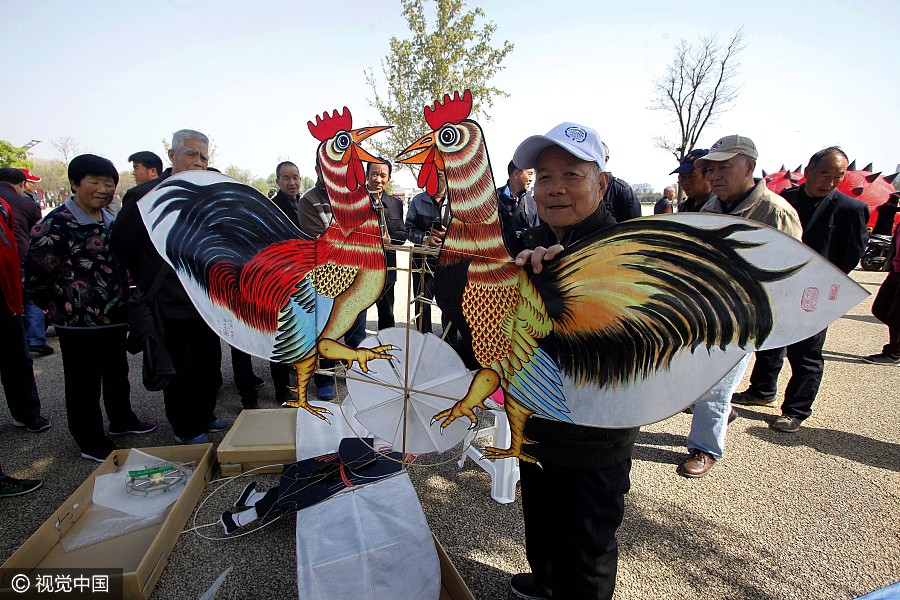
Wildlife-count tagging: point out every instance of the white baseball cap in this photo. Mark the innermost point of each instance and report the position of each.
(578, 140)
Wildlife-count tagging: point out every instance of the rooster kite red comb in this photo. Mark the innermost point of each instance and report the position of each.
(326, 126)
(451, 110)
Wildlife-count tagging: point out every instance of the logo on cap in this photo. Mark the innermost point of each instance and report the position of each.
(716, 146)
(576, 133)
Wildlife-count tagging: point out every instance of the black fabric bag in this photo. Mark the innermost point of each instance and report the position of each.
(145, 335)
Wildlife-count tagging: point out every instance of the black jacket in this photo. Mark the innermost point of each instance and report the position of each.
(26, 213)
(393, 220)
(892, 253)
(131, 244)
(287, 206)
(565, 444)
(620, 200)
(836, 228)
(512, 218)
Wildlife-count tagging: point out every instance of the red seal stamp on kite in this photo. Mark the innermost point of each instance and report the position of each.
(810, 299)
(835, 290)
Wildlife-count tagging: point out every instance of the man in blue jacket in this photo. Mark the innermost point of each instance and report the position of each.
(511, 206)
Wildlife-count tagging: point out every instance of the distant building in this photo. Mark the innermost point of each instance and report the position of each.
(642, 188)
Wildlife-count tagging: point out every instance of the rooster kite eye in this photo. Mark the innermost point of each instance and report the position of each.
(448, 135)
(342, 141)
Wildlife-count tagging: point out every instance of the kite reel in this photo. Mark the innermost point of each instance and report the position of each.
(161, 479)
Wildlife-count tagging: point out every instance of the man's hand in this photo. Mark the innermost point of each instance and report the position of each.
(538, 256)
(436, 238)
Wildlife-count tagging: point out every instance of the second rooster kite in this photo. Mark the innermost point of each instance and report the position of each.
(624, 328)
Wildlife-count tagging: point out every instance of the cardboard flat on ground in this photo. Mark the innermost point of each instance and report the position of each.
(258, 438)
(452, 585)
(142, 554)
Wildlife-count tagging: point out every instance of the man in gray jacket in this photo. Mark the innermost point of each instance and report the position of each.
(729, 169)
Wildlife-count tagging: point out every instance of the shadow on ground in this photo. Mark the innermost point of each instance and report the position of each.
(852, 446)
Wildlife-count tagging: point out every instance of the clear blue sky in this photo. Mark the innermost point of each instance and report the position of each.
(121, 76)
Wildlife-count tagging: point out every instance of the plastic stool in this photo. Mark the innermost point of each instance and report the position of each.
(504, 472)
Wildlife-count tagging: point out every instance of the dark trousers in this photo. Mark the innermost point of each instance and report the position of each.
(244, 378)
(571, 517)
(281, 376)
(16, 368)
(242, 366)
(190, 397)
(94, 362)
(807, 364)
(886, 308)
(385, 304)
(354, 336)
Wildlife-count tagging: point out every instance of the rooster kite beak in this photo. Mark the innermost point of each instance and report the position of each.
(358, 135)
(354, 155)
(431, 160)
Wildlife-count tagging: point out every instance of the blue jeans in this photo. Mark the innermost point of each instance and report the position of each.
(710, 422)
(35, 328)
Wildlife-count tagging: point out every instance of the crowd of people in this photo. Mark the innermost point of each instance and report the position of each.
(75, 265)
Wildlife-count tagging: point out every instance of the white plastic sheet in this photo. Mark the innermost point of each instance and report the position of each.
(115, 512)
(367, 543)
(110, 490)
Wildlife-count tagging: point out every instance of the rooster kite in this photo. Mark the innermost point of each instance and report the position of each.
(258, 281)
(625, 328)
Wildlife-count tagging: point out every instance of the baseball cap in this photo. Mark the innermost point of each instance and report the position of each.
(687, 163)
(579, 140)
(29, 176)
(729, 147)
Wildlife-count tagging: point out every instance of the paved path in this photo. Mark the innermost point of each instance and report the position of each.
(810, 515)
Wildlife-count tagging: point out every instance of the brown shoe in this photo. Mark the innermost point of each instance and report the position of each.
(698, 465)
(748, 398)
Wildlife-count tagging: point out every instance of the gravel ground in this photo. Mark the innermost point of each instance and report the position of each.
(809, 515)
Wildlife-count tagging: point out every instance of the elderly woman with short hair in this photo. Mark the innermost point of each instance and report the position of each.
(71, 271)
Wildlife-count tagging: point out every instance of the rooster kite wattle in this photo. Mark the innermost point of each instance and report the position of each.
(259, 282)
(628, 326)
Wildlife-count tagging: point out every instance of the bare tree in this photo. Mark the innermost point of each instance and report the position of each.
(698, 87)
(66, 146)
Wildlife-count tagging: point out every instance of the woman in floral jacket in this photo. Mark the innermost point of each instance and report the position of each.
(71, 272)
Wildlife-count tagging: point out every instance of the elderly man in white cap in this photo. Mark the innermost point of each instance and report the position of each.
(729, 169)
(575, 501)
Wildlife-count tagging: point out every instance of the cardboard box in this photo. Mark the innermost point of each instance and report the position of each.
(258, 438)
(142, 554)
(452, 585)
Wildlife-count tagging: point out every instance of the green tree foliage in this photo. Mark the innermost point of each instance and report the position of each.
(11, 156)
(238, 173)
(455, 54)
(54, 176)
(260, 184)
(698, 86)
(247, 177)
(306, 184)
(126, 182)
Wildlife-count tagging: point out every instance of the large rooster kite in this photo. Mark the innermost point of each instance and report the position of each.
(257, 280)
(625, 328)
